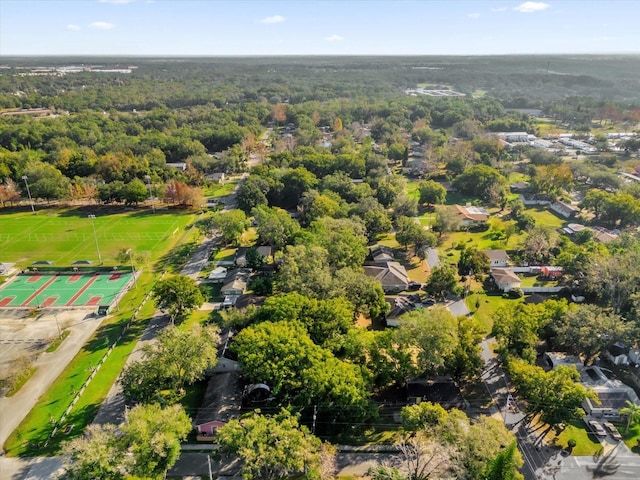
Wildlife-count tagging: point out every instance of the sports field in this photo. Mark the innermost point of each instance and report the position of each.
(63, 290)
(65, 236)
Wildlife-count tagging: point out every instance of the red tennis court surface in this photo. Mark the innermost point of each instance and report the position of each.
(114, 277)
(50, 301)
(74, 278)
(34, 278)
(6, 301)
(93, 301)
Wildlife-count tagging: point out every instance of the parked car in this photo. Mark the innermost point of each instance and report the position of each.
(596, 428)
(414, 285)
(428, 301)
(613, 431)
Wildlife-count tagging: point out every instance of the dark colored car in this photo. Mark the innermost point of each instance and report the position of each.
(414, 285)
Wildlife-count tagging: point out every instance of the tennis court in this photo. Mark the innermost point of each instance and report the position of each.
(63, 290)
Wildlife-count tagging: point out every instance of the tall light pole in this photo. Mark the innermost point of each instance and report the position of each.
(24, 177)
(153, 205)
(95, 236)
(133, 269)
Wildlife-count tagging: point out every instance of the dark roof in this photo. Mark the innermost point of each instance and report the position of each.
(441, 390)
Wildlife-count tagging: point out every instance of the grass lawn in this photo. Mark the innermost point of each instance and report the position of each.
(488, 305)
(66, 235)
(218, 190)
(585, 443)
(545, 218)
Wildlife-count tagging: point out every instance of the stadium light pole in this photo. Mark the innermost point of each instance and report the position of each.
(95, 236)
(153, 205)
(25, 178)
(133, 269)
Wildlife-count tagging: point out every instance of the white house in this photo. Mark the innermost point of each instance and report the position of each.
(471, 215)
(505, 279)
(497, 258)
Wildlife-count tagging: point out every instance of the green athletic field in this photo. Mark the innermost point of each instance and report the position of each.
(64, 236)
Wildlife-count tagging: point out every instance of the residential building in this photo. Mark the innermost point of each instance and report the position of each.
(391, 275)
(497, 258)
(470, 215)
(235, 283)
(564, 209)
(612, 394)
(505, 279)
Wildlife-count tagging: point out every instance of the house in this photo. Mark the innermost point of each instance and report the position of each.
(497, 258)
(634, 355)
(519, 186)
(617, 354)
(560, 359)
(564, 209)
(441, 390)
(391, 275)
(612, 394)
(380, 254)
(551, 272)
(209, 428)
(218, 275)
(182, 166)
(505, 279)
(235, 283)
(470, 215)
(399, 306)
(217, 177)
(602, 235)
(432, 258)
(264, 251)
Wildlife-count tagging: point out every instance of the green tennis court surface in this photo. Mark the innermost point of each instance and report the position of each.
(63, 290)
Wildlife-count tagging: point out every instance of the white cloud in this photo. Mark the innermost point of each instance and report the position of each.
(499, 9)
(473, 15)
(102, 25)
(334, 38)
(530, 7)
(272, 19)
(73, 28)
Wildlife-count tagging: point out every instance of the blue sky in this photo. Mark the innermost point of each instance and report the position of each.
(309, 27)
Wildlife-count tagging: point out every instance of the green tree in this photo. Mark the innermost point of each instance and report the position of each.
(145, 445)
(301, 374)
(134, 192)
(231, 225)
(473, 260)
(177, 294)
(588, 330)
(344, 240)
(96, 455)
(483, 182)
(178, 358)
(432, 193)
(442, 281)
(632, 412)
(432, 333)
(323, 318)
(505, 465)
(272, 447)
(275, 226)
(556, 396)
(153, 436)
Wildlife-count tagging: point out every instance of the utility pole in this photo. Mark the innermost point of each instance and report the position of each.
(133, 269)
(209, 463)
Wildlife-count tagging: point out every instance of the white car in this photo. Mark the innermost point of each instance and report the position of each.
(613, 431)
